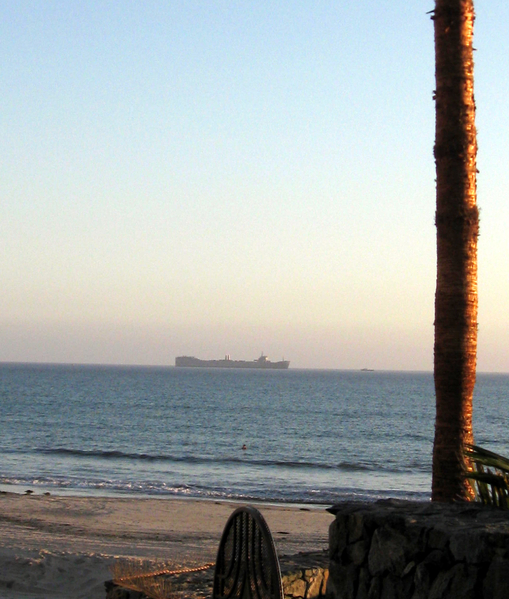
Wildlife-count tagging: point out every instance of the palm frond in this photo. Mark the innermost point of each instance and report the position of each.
(489, 474)
(487, 458)
(155, 582)
(143, 577)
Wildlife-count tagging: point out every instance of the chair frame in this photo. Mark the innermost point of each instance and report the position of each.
(247, 565)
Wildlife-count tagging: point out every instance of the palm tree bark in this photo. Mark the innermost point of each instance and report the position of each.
(457, 222)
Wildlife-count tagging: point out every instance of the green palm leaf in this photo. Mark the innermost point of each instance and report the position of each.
(489, 474)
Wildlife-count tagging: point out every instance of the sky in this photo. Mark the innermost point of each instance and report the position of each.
(190, 177)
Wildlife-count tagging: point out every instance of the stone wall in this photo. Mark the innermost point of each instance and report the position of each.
(304, 576)
(407, 550)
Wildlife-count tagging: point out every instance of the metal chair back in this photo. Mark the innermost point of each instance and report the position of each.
(247, 566)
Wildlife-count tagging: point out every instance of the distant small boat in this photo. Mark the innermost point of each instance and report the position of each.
(367, 370)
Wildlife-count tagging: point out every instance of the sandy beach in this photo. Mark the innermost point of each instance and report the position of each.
(56, 547)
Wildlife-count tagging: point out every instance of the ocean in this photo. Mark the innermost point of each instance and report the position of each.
(310, 436)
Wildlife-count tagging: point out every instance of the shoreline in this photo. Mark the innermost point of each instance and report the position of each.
(18, 489)
(64, 545)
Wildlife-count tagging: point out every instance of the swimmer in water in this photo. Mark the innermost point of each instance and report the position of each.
(244, 447)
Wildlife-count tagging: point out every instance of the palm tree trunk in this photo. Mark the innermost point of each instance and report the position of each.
(457, 222)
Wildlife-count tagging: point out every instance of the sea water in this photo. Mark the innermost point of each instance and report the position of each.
(310, 436)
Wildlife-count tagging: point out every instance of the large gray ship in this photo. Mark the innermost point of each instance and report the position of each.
(262, 362)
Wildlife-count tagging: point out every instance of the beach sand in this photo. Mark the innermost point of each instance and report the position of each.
(61, 546)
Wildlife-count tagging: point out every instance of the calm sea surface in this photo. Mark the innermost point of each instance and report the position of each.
(312, 436)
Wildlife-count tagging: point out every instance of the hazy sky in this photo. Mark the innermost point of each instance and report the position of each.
(205, 177)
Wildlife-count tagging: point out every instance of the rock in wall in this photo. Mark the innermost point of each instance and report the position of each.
(407, 550)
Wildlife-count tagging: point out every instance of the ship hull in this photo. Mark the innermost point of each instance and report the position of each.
(191, 362)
